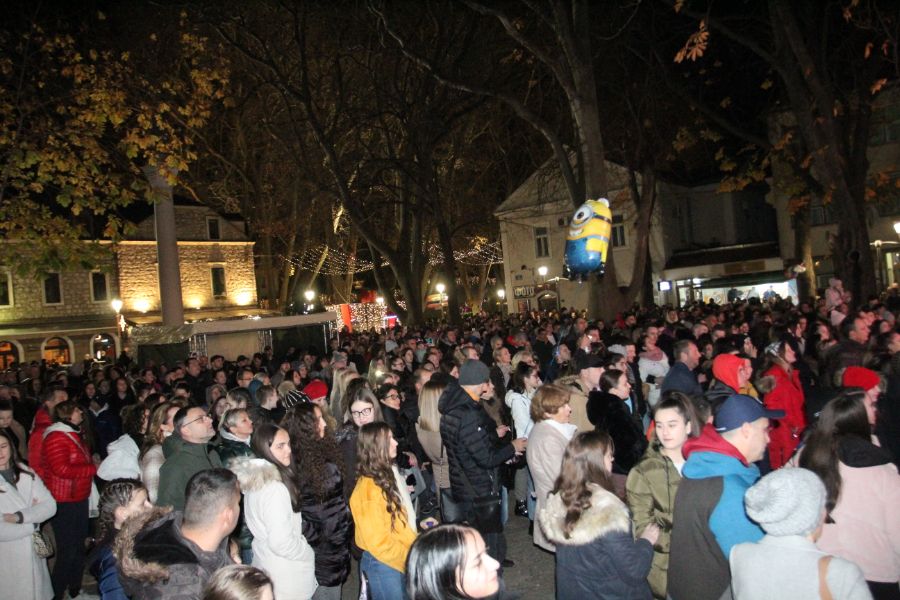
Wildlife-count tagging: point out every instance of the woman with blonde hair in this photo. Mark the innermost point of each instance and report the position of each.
(596, 554)
(428, 431)
(383, 513)
(341, 378)
(547, 442)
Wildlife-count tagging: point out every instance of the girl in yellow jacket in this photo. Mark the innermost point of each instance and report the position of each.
(382, 512)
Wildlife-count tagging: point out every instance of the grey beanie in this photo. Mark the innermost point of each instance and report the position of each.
(789, 501)
(473, 372)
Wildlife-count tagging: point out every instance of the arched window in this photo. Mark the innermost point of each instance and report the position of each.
(9, 354)
(56, 350)
(103, 347)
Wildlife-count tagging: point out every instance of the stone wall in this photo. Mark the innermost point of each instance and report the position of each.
(190, 223)
(140, 281)
(27, 297)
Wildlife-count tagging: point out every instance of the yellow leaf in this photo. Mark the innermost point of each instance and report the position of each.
(868, 50)
(878, 85)
(766, 84)
(726, 102)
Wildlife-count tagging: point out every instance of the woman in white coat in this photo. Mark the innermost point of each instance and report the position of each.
(271, 510)
(24, 503)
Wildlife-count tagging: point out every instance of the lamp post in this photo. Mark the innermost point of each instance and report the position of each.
(116, 305)
(501, 293)
(440, 290)
(309, 295)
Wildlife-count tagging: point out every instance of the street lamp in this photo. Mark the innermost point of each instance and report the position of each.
(897, 227)
(309, 295)
(440, 290)
(116, 305)
(542, 271)
(379, 300)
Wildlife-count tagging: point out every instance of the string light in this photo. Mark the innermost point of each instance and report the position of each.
(338, 262)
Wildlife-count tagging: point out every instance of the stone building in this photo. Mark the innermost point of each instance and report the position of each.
(66, 316)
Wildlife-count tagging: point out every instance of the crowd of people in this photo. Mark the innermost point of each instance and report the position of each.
(748, 450)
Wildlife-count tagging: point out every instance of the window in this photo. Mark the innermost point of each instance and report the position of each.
(56, 351)
(218, 281)
(212, 228)
(9, 354)
(99, 287)
(541, 242)
(618, 232)
(52, 289)
(6, 296)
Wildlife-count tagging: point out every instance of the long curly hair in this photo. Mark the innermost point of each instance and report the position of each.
(582, 464)
(312, 453)
(374, 460)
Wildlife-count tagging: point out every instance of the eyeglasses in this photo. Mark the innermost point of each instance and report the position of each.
(392, 396)
(361, 413)
(200, 418)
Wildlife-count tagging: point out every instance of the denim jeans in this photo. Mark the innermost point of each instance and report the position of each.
(385, 583)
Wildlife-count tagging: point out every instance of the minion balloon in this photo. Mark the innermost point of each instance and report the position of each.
(588, 239)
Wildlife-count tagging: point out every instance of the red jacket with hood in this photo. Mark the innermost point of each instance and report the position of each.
(68, 466)
(787, 395)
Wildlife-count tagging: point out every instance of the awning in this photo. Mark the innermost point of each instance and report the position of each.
(744, 280)
(161, 334)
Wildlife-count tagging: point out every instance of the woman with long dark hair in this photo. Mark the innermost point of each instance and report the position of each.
(382, 512)
(863, 492)
(451, 562)
(272, 512)
(69, 471)
(596, 554)
(326, 516)
(121, 499)
(364, 408)
(24, 504)
(786, 394)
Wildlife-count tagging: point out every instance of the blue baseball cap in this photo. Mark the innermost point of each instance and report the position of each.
(739, 409)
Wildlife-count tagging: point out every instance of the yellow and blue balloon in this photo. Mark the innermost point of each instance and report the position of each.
(588, 239)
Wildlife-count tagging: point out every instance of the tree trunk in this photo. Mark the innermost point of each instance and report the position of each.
(806, 281)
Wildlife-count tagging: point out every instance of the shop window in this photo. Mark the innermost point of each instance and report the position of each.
(103, 347)
(57, 351)
(9, 354)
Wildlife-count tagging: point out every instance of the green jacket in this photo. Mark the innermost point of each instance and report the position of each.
(228, 450)
(651, 488)
(180, 466)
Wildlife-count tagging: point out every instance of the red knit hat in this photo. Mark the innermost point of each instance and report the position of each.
(316, 389)
(860, 377)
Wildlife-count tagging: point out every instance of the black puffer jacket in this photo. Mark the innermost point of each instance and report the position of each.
(608, 412)
(468, 434)
(327, 526)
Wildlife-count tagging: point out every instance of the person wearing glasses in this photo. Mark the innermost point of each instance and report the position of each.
(195, 429)
(364, 408)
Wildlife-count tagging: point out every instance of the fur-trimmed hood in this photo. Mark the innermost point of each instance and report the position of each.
(123, 548)
(606, 514)
(254, 473)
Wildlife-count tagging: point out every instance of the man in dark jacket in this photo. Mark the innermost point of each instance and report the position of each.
(169, 554)
(681, 377)
(471, 439)
(194, 427)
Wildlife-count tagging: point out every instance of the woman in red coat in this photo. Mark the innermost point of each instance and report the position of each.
(786, 395)
(68, 473)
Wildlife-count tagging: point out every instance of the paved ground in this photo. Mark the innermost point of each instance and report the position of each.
(532, 577)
